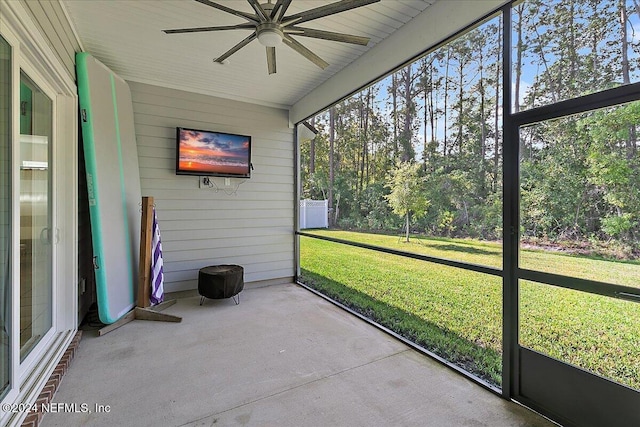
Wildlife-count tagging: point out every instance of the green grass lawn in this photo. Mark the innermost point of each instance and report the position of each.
(471, 251)
(457, 314)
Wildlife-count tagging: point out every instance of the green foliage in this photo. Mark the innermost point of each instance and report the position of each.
(445, 223)
(375, 210)
(406, 195)
(406, 190)
(613, 168)
(579, 175)
(617, 226)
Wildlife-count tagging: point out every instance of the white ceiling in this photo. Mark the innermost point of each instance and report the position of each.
(126, 36)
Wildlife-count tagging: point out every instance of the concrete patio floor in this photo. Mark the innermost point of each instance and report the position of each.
(283, 357)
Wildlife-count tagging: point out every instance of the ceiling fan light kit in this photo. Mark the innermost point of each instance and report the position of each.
(269, 34)
(271, 27)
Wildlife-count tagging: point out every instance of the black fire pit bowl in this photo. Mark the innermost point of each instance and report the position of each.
(220, 281)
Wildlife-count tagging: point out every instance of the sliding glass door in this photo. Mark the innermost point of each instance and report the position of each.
(35, 215)
(38, 181)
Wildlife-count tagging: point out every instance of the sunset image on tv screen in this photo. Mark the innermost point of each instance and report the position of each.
(213, 152)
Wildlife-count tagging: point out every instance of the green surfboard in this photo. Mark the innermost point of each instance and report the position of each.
(113, 183)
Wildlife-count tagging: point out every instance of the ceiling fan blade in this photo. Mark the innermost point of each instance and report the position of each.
(280, 9)
(244, 15)
(271, 60)
(236, 48)
(204, 29)
(329, 9)
(327, 35)
(295, 45)
(259, 10)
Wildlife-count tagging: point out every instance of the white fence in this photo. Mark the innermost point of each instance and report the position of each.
(314, 214)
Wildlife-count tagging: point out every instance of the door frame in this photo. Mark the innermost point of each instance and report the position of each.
(579, 396)
(31, 53)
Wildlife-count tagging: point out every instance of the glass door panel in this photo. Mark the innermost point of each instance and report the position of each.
(36, 111)
(5, 211)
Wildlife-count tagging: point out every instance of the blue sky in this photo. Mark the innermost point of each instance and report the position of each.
(529, 71)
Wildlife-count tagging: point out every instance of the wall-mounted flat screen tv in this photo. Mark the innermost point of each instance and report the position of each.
(209, 153)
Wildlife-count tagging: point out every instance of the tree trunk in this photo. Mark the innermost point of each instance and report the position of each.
(425, 152)
(594, 52)
(362, 150)
(461, 101)
(407, 148)
(394, 95)
(626, 79)
(332, 132)
(552, 86)
(483, 127)
(364, 165)
(496, 151)
(433, 116)
(407, 227)
(573, 54)
(446, 98)
(518, 65)
(410, 77)
(312, 150)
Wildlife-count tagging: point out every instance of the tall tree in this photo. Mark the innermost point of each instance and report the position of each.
(497, 106)
(626, 75)
(394, 111)
(332, 136)
(519, 13)
(429, 85)
(312, 150)
(445, 113)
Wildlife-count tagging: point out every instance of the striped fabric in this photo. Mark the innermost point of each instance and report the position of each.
(157, 274)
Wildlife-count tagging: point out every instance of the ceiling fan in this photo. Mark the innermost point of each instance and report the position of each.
(271, 27)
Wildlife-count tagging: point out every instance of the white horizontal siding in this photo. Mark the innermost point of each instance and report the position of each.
(56, 29)
(252, 227)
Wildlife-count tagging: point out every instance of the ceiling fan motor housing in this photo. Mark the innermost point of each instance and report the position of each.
(271, 26)
(269, 34)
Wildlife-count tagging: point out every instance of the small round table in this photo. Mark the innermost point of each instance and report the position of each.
(220, 281)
